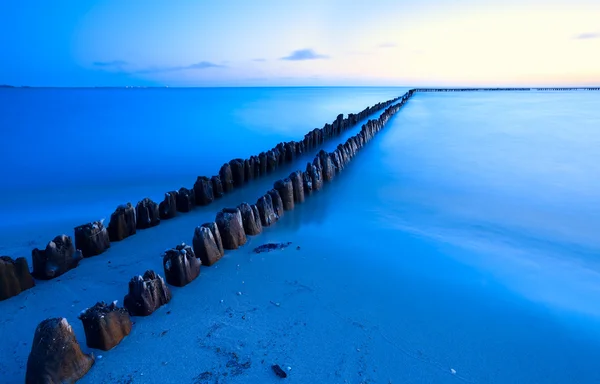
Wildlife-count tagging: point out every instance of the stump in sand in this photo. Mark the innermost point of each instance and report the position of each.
(315, 174)
(207, 244)
(250, 168)
(92, 238)
(168, 207)
(55, 356)
(280, 153)
(265, 210)
(59, 257)
(286, 191)
(147, 214)
(226, 178)
(252, 224)
(14, 277)
(337, 162)
(290, 151)
(328, 169)
(146, 294)
(307, 184)
(298, 186)
(231, 228)
(105, 325)
(184, 200)
(262, 163)
(256, 217)
(277, 202)
(272, 161)
(217, 187)
(181, 265)
(238, 172)
(122, 223)
(203, 191)
(217, 235)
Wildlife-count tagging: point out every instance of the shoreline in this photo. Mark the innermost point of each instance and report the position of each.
(327, 166)
(316, 281)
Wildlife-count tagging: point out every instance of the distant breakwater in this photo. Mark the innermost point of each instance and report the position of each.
(505, 89)
(106, 325)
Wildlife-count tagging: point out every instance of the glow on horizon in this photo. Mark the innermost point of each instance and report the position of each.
(314, 42)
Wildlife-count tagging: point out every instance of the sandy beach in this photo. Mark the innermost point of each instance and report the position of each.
(319, 192)
(365, 293)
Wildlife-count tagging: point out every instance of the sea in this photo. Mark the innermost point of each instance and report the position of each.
(460, 245)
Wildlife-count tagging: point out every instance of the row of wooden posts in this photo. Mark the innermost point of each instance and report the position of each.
(56, 355)
(506, 89)
(91, 239)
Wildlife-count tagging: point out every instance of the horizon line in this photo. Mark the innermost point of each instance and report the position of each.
(8, 86)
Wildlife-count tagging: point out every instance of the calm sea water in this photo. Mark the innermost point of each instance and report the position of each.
(70, 151)
(513, 175)
(464, 236)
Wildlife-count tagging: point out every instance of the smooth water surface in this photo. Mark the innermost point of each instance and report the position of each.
(79, 150)
(513, 175)
(459, 246)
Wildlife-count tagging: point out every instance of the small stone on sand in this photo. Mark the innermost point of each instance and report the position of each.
(278, 371)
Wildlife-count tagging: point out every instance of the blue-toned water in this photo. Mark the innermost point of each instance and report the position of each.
(459, 246)
(513, 175)
(73, 151)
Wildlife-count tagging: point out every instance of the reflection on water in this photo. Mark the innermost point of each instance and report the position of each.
(510, 177)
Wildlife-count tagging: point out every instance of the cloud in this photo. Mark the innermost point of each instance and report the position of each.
(200, 65)
(388, 45)
(203, 65)
(587, 36)
(304, 54)
(114, 63)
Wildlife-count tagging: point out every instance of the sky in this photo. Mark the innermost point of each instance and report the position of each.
(299, 43)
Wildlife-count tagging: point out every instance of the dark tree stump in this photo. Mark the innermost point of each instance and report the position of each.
(207, 244)
(238, 172)
(147, 213)
(257, 217)
(298, 186)
(272, 161)
(181, 265)
(290, 151)
(14, 277)
(168, 207)
(184, 200)
(146, 294)
(265, 208)
(105, 325)
(92, 239)
(59, 257)
(122, 223)
(217, 187)
(252, 225)
(286, 191)
(226, 178)
(203, 191)
(307, 184)
(262, 159)
(277, 202)
(328, 169)
(231, 228)
(55, 356)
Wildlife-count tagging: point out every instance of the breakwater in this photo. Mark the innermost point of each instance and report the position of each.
(505, 89)
(106, 325)
(93, 238)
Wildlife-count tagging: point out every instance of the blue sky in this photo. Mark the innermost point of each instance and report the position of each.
(268, 42)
